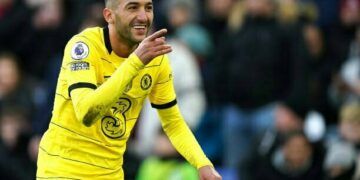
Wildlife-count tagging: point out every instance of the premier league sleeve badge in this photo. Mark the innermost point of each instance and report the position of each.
(79, 51)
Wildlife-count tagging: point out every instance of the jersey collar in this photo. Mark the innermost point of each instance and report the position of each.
(107, 39)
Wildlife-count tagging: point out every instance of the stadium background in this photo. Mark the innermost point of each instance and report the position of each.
(225, 66)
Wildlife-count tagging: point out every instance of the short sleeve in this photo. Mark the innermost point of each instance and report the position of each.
(80, 59)
(163, 95)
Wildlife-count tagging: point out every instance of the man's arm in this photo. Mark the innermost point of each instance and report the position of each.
(91, 102)
(163, 98)
(181, 137)
(185, 143)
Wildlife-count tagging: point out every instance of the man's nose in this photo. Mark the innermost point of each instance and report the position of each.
(142, 15)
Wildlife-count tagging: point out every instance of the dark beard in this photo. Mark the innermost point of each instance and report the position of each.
(126, 37)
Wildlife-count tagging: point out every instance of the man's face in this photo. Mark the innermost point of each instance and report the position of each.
(350, 131)
(9, 76)
(297, 151)
(133, 19)
(259, 8)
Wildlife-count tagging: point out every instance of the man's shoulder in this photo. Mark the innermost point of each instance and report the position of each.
(85, 46)
(86, 42)
(91, 35)
(91, 31)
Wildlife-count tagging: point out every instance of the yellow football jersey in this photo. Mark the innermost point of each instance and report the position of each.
(76, 149)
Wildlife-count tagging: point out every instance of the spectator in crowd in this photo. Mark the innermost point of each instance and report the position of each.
(343, 60)
(288, 11)
(319, 74)
(295, 158)
(28, 26)
(340, 162)
(182, 17)
(15, 18)
(346, 86)
(350, 124)
(338, 38)
(15, 128)
(214, 18)
(262, 71)
(23, 94)
(14, 89)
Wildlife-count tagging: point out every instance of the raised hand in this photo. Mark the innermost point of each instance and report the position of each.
(209, 173)
(153, 46)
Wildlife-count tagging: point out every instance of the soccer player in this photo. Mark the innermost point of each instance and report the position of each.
(105, 76)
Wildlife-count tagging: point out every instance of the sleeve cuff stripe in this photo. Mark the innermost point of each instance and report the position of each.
(81, 85)
(164, 106)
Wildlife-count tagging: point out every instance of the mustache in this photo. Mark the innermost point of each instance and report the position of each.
(136, 22)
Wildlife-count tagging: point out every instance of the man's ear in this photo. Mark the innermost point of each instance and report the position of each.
(107, 13)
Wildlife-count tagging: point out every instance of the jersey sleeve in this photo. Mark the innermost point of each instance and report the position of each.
(163, 95)
(90, 100)
(80, 58)
(163, 98)
(181, 137)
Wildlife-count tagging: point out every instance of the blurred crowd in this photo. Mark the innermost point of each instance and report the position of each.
(271, 88)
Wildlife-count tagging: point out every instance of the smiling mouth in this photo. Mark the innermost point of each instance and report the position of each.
(140, 27)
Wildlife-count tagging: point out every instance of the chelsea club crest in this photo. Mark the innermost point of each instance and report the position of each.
(145, 82)
(79, 51)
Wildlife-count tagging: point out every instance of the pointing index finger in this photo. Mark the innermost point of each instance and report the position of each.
(157, 34)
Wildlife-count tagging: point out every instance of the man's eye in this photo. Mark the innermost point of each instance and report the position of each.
(149, 8)
(132, 7)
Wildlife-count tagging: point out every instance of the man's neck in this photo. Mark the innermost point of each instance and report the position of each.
(120, 47)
